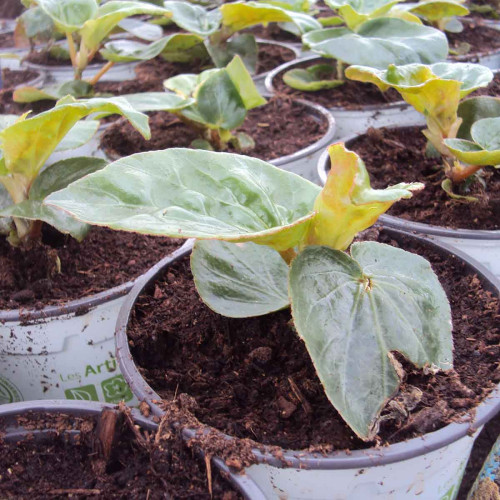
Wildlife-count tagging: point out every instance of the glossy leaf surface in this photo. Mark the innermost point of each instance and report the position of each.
(239, 280)
(189, 193)
(194, 18)
(69, 15)
(474, 109)
(353, 311)
(316, 77)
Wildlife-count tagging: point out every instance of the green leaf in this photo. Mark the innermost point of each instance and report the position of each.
(5, 201)
(189, 193)
(157, 101)
(69, 15)
(184, 85)
(130, 50)
(194, 18)
(243, 45)
(36, 23)
(141, 29)
(7, 121)
(184, 47)
(474, 109)
(237, 16)
(75, 88)
(348, 204)
(356, 12)
(353, 312)
(110, 14)
(486, 133)
(316, 77)
(435, 10)
(239, 280)
(57, 176)
(80, 134)
(380, 42)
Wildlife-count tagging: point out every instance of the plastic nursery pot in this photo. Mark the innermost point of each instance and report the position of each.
(430, 466)
(63, 352)
(302, 162)
(13, 431)
(259, 79)
(481, 245)
(355, 121)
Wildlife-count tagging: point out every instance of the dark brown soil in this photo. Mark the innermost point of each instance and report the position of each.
(44, 58)
(11, 9)
(351, 95)
(483, 40)
(252, 378)
(138, 465)
(398, 155)
(11, 78)
(272, 56)
(493, 89)
(273, 32)
(8, 106)
(103, 260)
(7, 40)
(279, 128)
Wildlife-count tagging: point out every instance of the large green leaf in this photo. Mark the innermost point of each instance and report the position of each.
(316, 77)
(348, 204)
(75, 88)
(157, 101)
(110, 14)
(240, 15)
(141, 29)
(353, 312)
(184, 47)
(194, 18)
(5, 201)
(474, 109)
(356, 12)
(435, 10)
(243, 45)
(188, 193)
(484, 148)
(132, 50)
(239, 280)
(36, 23)
(70, 15)
(80, 134)
(57, 176)
(380, 42)
(7, 121)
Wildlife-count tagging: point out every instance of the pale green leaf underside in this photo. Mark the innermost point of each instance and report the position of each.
(475, 109)
(317, 77)
(194, 18)
(239, 280)
(188, 193)
(141, 29)
(157, 101)
(380, 42)
(352, 312)
(80, 134)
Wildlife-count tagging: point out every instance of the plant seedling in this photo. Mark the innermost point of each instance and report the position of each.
(25, 146)
(436, 91)
(269, 239)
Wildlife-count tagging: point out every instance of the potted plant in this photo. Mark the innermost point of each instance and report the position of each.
(210, 111)
(88, 443)
(49, 310)
(455, 159)
(377, 42)
(268, 240)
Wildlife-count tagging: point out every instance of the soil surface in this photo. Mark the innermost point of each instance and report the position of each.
(279, 128)
(351, 94)
(482, 40)
(493, 89)
(110, 459)
(11, 77)
(11, 9)
(7, 40)
(398, 155)
(103, 260)
(253, 378)
(273, 32)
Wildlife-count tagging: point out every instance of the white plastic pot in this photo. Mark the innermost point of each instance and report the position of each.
(13, 416)
(429, 467)
(481, 245)
(356, 121)
(63, 352)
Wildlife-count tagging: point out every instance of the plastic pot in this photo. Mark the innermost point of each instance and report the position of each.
(355, 121)
(13, 431)
(63, 352)
(302, 162)
(259, 79)
(430, 466)
(481, 245)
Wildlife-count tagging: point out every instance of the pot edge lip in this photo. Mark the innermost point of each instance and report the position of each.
(409, 225)
(356, 459)
(31, 315)
(60, 68)
(243, 483)
(316, 109)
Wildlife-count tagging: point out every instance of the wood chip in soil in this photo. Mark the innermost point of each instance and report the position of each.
(280, 128)
(253, 378)
(350, 95)
(110, 459)
(103, 260)
(398, 155)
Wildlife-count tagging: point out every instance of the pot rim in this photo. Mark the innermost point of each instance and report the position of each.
(90, 302)
(289, 45)
(282, 161)
(243, 483)
(65, 67)
(408, 225)
(288, 65)
(370, 457)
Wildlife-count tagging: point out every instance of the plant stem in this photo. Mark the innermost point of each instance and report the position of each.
(288, 255)
(459, 172)
(103, 70)
(73, 55)
(340, 70)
